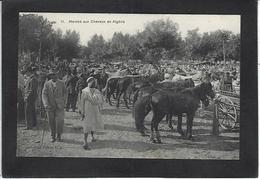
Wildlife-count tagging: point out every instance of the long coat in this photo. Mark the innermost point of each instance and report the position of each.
(71, 84)
(92, 101)
(30, 96)
(54, 97)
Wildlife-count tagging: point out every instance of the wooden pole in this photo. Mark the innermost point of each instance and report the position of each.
(224, 55)
(215, 126)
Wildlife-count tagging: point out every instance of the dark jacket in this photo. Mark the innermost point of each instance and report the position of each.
(30, 93)
(71, 84)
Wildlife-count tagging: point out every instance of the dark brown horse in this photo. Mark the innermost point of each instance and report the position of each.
(141, 93)
(188, 83)
(176, 103)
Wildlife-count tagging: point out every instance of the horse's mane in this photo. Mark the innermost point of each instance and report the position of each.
(195, 91)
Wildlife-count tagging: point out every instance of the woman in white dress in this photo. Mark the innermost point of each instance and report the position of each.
(91, 101)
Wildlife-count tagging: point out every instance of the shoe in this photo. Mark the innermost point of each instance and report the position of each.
(93, 140)
(86, 147)
(59, 138)
(53, 140)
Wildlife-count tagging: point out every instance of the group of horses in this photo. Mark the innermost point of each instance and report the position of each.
(148, 93)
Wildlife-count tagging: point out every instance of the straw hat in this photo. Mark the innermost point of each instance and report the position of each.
(90, 79)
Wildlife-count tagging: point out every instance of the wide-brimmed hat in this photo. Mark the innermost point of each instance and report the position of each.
(90, 79)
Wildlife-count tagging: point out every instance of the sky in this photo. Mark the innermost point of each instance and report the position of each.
(88, 24)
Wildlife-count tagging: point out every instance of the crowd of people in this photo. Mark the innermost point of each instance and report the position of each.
(73, 86)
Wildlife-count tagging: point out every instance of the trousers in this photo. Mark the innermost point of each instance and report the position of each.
(56, 121)
(71, 101)
(30, 113)
(20, 106)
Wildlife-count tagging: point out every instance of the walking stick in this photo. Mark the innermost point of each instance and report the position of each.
(43, 131)
(45, 115)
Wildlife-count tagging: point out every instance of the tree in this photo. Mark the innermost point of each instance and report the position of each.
(192, 43)
(85, 52)
(210, 45)
(34, 35)
(98, 47)
(160, 36)
(69, 45)
(124, 46)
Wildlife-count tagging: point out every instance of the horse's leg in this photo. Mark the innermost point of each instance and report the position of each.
(179, 127)
(169, 120)
(113, 93)
(125, 99)
(189, 126)
(152, 131)
(108, 97)
(157, 117)
(129, 96)
(158, 137)
(118, 98)
(109, 93)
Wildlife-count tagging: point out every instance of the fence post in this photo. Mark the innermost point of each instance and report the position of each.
(215, 126)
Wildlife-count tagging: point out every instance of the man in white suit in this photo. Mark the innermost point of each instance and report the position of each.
(54, 97)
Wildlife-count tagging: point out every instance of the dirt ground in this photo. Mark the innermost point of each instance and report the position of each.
(120, 139)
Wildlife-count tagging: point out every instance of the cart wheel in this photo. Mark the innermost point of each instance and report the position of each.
(226, 113)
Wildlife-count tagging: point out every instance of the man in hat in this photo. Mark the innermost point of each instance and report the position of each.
(167, 78)
(30, 96)
(53, 97)
(20, 95)
(71, 92)
(228, 82)
(80, 85)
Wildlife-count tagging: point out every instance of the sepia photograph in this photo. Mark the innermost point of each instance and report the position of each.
(141, 86)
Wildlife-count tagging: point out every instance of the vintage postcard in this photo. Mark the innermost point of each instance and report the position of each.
(140, 86)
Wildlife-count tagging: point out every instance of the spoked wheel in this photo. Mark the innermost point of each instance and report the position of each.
(226, 113)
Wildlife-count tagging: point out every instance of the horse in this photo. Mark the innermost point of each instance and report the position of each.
(110, 88)
(139, 102)
(131, 89)
(187, 83)
(153, 78)
(101, 80)
(121, 88)
(111, 83)
(176, 103)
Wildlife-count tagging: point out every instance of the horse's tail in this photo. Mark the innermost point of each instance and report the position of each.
(135, 95)
(104, 90)
(140, 110)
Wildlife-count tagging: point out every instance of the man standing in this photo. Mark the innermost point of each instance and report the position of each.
(20, 96)
(80, 85)
(65, 79)
(72, 94)
(30, 96)
(53, 97)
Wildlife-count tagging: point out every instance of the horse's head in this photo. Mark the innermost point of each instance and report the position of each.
(190, 83)
(206, 91)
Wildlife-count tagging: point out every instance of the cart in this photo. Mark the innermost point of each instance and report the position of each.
(227, 109)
